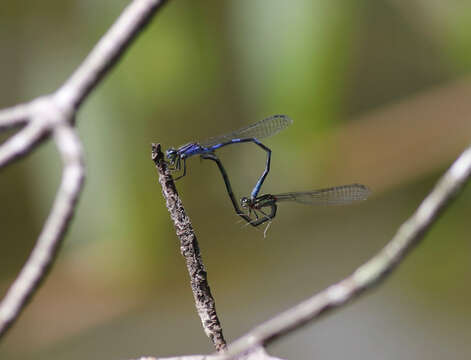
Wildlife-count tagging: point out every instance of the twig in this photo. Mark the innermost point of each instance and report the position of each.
(14, 116)
(21, 143)
(369, 274)
(55, 114)
(189, 248)
(56, 224)
(108, 50)
(258, 353)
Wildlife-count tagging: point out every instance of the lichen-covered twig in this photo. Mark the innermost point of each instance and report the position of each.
(189, 248)
(369, 274)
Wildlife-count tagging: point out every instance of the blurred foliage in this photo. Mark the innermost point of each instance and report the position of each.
(198, 70)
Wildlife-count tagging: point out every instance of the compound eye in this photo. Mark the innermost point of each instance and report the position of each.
(170, 154)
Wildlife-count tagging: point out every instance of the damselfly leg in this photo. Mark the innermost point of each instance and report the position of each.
(179, 167)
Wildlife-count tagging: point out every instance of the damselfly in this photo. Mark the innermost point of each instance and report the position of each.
(253, 133)
(338, 195)
(264, 207)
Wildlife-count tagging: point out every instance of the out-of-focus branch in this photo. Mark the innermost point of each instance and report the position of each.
(189, 248)
(14, 116)
(255, 354)
(369, 274)
(107, 51)
(55, 114)
(56, 224)
(392, 140)
(21, 143)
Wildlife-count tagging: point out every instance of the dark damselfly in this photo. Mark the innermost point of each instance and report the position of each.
(253, 133)
(264, 207)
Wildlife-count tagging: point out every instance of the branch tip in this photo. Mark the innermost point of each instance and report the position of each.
(157, 154)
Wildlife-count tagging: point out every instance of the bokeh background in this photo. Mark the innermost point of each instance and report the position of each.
(380, 94)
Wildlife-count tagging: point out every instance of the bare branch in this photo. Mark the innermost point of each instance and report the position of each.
(257, 353)
(15, 116)
(56, 224)
(107, 51)
(56, 114)
(189, 248)
(372, 272)
(22, 142)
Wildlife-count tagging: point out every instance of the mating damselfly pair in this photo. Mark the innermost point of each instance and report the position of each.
(257, 209)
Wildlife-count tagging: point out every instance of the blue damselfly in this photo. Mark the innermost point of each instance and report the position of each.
(253, 133)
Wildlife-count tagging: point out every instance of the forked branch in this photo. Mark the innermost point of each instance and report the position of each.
(55, 114)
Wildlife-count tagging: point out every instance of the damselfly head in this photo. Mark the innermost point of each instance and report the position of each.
(245, 202)
(171, 155)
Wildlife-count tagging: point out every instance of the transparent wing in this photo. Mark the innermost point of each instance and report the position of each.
(337, 195)
(261, 129)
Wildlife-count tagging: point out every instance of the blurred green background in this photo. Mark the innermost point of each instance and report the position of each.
(379, 93)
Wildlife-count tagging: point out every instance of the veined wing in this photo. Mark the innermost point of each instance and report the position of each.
(261, 129)
(338, 195)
